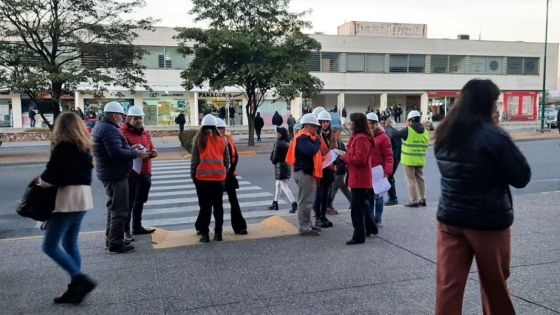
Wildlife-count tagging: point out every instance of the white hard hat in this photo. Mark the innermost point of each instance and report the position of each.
(135, 111)
(372, 116)
(113, 107)
(220, 123)
(317, 110)
(209, 120)
(309, 119)
(324, 116)
(413, 114)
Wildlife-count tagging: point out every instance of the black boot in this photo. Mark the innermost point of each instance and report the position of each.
(204, 238)
(80, 286)
(274, 206)
(294, 207)
(218, 236)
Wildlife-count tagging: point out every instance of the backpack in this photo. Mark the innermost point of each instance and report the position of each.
(37, 202)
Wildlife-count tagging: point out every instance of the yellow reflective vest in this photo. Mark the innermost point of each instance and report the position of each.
(414, 148)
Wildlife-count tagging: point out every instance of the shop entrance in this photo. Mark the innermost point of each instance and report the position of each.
(406, 102)
(439, 103)
(230, 111)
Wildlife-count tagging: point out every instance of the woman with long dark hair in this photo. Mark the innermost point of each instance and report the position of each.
(478, 162)
(209, 165)
(358, 158)
(282, 170)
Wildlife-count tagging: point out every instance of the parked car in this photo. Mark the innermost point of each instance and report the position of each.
(550, 117)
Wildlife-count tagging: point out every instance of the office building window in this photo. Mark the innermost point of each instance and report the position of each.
(375, 63)
(407, 63)
(439, 64)
(330, 62)
(522, 65)
(314, 62)
(355, 62)
(486, 65)
(457, 64)
(531, 65)
(165, 58)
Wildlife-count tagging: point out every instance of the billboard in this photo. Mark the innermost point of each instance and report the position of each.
(378, 29)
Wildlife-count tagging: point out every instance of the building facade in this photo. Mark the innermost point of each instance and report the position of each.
(359, 72)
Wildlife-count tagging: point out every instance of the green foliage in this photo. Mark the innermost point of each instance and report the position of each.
(256, 45)
(52, 46)
(186, 138)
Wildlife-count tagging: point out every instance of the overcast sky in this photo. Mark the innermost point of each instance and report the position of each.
(509, 20)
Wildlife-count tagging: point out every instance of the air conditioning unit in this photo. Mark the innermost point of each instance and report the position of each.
(463, 36)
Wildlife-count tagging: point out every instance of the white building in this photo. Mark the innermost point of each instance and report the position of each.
(359, 71)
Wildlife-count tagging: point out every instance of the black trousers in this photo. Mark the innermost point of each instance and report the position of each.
(237, 221)
(360, 219)
(117, 210)
(393, 191)
(323, 195)
(181, 128)
(258, 131)
(210, 196)
(138, 188)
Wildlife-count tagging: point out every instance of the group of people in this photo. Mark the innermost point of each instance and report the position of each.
(276, 121)
(394, 112)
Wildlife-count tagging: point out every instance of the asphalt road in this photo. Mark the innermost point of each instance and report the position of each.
(257, 180)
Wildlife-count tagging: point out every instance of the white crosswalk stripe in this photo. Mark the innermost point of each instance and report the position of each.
(173, 201)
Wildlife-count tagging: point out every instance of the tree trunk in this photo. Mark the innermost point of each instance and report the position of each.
(251, 123)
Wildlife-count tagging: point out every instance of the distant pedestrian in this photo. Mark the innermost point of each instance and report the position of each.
(399, 113)
(305, 157)
(282, 171)
(478, 162)
(32, 114)
(396, 144)
(415, 141)
(222, 113)
(238, 223)
(113, 158)
(291, 123)
(209, 164)
(358, 158)
(344, 115)
(277, 119)
(139, 181)
(80, 113)
(69, 168)
(232, 116)
(181, 121)
(259, 124)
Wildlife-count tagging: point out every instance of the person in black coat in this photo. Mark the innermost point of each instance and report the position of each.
(259, 124)
(396, 144)
(282, 171)
(181, 121)
(277, 119)
(478, 162)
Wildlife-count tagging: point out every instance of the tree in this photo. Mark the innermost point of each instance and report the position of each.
(49, 47)
(297, 84)
(255, 45)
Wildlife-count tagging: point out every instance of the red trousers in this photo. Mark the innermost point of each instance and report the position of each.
(456, 248)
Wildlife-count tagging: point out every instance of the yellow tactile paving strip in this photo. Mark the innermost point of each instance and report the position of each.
(272, 227)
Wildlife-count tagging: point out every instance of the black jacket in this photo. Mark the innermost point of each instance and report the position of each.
(403, 133)
(68, 166)
(259, 122)
(396, 142)
(180, 119)
(113, 155)
(282, 170)
(305, 151)
(277, 119)
(475, 190)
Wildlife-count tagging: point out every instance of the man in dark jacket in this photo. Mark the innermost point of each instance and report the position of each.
(396, 144)
(277, 119)
(259, 124)
(113, 161)
(180, 120)
(291, 123)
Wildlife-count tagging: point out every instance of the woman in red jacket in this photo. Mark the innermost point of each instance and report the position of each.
(358, 158)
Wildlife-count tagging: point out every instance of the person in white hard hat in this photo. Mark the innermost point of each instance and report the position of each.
(415, 141)
(139, 180)
(238, 223)
(305, 157)
(113, 156)
(317, 110)
(209, 176)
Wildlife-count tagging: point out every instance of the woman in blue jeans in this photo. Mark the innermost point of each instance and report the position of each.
(69, 169)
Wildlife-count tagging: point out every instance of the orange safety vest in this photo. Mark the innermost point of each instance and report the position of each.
(317, 158)
(325, 148)
(211, 166)
(233, 153)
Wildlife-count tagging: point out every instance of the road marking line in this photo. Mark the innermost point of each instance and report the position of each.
(195, 199)
(192, 192)
(227, 217)
(175, 175)
(185, 209)
(187, 179)
(546, 180)
(191, 186)
(167, 162)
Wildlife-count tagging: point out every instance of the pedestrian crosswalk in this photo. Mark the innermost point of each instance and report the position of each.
(173, 200)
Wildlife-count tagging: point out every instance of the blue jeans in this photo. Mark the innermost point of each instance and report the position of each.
(375, 207)
(64, 228)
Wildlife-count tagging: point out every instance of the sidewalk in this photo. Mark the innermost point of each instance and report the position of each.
(391, 274)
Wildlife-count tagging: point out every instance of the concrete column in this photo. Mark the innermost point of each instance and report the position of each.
(296, 107)
(424, 103)
(78, 100)
(194, 109)
(16, 110)
(245, 103)
(138, 99)
(340, 101)
(383, 101)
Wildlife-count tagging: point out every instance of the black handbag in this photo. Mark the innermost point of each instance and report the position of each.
(37, 202)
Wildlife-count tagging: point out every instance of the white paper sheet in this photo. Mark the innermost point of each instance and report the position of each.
(137, 165)
(329, 158)
(380, 184)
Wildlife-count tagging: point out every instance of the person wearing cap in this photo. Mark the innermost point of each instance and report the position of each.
(396, 144)
(329, 140)
(305, 157)
(113, 156)
(209, 164)
(382, 155)
(138, 183)
(237, 221)
(415, 141)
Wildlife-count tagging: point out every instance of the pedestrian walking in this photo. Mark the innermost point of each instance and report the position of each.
(305, 157)
(282, 171)
(291, 123)
(31, 115)
(231, 185)
(415, 141)
(478, 162)
(396, 144)
(277, 120)
(231, 116)
(69, 168)
(209, 164)
(329, 140)
(181, 121)
(339, 183)
(344, 115)
(113, 158)
(383, 156)
(259, 124)
(358, 158)
(222, 113)
(139, 180)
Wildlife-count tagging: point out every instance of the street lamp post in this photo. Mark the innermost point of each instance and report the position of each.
(544, 70)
